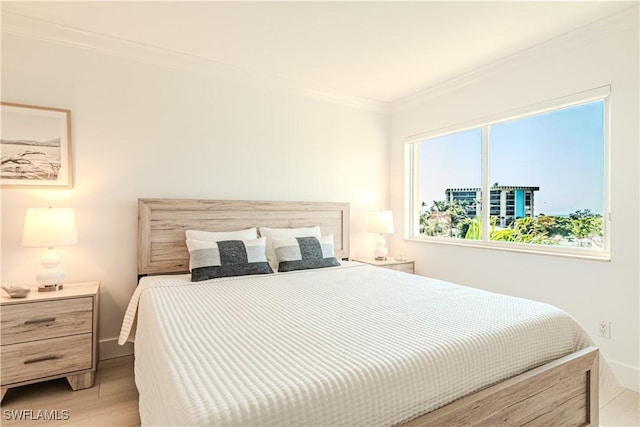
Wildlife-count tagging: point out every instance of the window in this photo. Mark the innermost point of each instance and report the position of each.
(531, 180)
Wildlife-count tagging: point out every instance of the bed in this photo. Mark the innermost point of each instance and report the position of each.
(343, 345)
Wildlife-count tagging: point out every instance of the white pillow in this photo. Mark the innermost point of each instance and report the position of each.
(226, 258)
(217, 236)
(271, 233)
(303, 253)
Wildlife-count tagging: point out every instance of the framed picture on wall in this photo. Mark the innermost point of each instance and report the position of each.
(35, 146)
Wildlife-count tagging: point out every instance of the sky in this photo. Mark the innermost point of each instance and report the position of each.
(562, 152)
(37, 125)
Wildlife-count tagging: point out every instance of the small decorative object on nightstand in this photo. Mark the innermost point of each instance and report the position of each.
(17, 291)
(392, 264)
(50, 335)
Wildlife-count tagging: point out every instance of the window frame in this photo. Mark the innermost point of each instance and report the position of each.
(412, 202)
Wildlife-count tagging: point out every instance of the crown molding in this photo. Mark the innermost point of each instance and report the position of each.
(622, 21)
(25, 26)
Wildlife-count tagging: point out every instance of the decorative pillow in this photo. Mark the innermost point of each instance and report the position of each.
(302, 253)
(227, 258)
(216, 236)
(272, 233)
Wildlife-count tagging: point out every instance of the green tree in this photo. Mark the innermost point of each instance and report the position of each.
(525, 230)
(474, 229)
(562, 226)
(546, 223)
(586, 225)
(444, 217)
(522, 230)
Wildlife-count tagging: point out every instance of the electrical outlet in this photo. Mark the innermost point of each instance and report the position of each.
(604, 329)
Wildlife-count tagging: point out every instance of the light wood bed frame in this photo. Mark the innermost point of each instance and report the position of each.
(562, 392)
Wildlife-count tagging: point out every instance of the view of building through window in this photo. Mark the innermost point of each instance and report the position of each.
(546, 175)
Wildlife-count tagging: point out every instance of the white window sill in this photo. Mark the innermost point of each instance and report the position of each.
(548, 250)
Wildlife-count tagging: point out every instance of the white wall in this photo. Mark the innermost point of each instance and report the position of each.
(142, 130)
(590, 291)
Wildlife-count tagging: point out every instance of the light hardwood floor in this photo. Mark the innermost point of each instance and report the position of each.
(113, 401)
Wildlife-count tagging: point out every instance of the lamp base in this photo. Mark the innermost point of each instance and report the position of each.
(381, 251)
(51, 273)
(50, 288)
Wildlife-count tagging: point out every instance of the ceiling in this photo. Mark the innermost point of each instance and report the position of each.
(377, 51)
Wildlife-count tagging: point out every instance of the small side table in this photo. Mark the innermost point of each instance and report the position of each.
(50, 335)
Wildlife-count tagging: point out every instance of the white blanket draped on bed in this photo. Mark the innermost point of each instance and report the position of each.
(351, 345)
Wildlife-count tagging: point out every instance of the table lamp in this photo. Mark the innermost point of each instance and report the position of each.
(381, 222)
(49, 227)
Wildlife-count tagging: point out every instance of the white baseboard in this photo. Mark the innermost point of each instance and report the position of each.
(628, 376)
(109, 349)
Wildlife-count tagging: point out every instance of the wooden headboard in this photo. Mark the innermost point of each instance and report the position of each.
(162, 223)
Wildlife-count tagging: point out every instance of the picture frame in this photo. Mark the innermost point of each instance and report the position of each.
(35, 147)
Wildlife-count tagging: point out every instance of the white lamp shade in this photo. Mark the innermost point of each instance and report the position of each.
(380, 222)
(49, 227)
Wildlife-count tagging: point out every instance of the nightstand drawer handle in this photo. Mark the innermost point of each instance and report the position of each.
(43, 320)
(41, 359)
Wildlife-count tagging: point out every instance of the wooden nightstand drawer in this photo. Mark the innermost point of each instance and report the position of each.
(46, 319)
(45, 358)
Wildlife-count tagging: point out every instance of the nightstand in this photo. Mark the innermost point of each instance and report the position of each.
(406, 266)
(50, 335)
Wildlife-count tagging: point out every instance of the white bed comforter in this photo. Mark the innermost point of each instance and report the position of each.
(351, 345)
